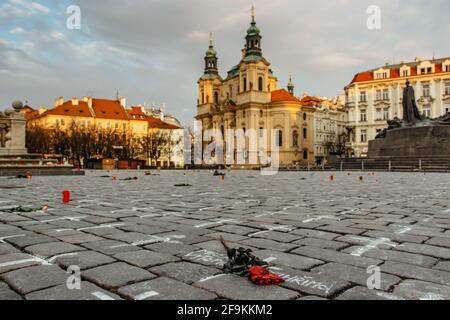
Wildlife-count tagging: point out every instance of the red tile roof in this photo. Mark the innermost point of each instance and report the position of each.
(282, 95)
(68, 109)
(109, 109)
(310, 101)
(155, 123)
(136, 113)
(362, 77)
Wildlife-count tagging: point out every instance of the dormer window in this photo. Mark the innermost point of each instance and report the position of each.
(405, 73)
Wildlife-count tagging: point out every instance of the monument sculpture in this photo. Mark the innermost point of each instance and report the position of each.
(413, 136)
(12, 131)
(14, 157)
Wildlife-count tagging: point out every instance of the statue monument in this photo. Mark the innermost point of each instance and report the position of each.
(14, 157)
(12, 131)
(415, 135)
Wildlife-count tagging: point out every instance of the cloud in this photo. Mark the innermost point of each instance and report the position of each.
(154, 50)
(17, 30)
(31, 6)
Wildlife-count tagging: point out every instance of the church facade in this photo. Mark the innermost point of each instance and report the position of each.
(248, 100)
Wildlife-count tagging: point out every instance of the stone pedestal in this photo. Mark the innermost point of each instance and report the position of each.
(414, 142)
(15, 144)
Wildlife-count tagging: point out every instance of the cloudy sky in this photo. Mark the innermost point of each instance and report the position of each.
(152, 50)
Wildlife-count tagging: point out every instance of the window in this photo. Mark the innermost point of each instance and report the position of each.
(216, 97)
(378, 95)
(279, 138)
(124, 126)
(108, 125)
(447, 89)
(305, 154)
(63, 122)
(245, 84)
(427, 111)
(379, 114)
(447, 68)
(231, 92)
(304, 116)
(295, 138)
(386, 94)
(363, 136)
(405, 73)
(305, 133)
(261, 132)
(363, 117)
(260, 84)
(422, 70)
(426, 90)
(386, 114)
(100, 125)
(57, 122)
(362, 97)
(117, 126)
(429, 70)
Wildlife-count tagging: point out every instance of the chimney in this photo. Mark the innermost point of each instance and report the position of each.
(88, 100)
(123, 102)
(75, 101)
(59, 101)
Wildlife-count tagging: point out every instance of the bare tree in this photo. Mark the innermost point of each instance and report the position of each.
(154, 144)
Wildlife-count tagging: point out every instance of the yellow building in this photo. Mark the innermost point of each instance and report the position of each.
(110, 116)
(375, 96)
(248, 99)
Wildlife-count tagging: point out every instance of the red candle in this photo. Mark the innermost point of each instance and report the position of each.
(66, 196)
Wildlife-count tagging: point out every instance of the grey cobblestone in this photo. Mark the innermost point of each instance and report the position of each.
(35, 278)
(334, 256)
(145, 258)
(355, 275)
(116, 275)
(165, 289)
(238, 288)
(167, 231)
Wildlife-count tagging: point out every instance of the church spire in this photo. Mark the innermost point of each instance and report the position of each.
(253, 38)
(211, 58)
(291, 86)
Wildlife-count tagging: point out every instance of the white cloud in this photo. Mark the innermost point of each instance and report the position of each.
(17, 30)
(31, 6)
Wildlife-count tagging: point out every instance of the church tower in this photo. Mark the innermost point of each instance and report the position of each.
(255, 77)
(210, 82)
(253, 39)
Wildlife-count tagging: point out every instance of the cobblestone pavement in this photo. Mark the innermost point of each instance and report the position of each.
(147, 239)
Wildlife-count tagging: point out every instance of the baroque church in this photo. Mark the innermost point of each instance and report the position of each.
(248, 99)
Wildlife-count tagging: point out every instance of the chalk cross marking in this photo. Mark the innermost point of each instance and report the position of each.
(373, 244)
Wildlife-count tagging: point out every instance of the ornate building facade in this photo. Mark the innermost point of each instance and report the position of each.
(104, 115)
(375, 96)
(248, 99)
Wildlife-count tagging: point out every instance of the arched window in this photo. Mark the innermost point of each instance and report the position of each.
(279, 138)
(295, 138)
(305, 133)
(245, 84)
(216, 97)
(260, 84)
